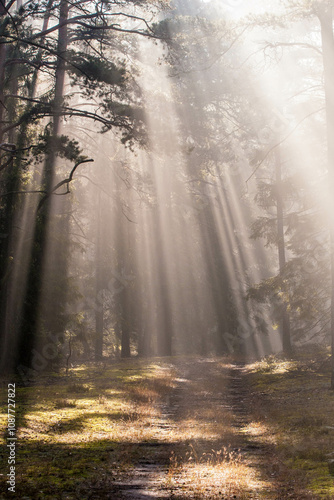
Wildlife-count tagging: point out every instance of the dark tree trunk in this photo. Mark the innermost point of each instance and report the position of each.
(99, 325)
(13, 265)
(219, 281)
(29, 331)
(3, 50)
(164, 306)
(125, 341)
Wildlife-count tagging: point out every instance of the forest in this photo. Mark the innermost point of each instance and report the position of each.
(167, 249)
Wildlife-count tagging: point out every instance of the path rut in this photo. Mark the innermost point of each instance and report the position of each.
(147, 479)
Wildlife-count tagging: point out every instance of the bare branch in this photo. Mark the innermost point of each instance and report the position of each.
(54, 189)
(274, 45)
(216, 58)
(63, 182)
(7, 146)
(37, 191)
(282, 141)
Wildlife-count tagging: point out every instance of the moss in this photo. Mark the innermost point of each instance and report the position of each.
(295, 400)
(71, 428)
(320, 482)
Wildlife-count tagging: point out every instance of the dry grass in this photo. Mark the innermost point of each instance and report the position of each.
(222, 474)
(85, 433)
(206, 462)
(88, 425)
(292, 399)
(79, 436)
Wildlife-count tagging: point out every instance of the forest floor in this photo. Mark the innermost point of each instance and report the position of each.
(176, 428)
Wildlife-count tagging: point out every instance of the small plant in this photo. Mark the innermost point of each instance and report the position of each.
(200, 473)
(64, 403)
(77, 388)
(173, 469)
(101, 400)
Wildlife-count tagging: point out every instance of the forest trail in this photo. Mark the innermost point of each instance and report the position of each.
(205, 444)
(179, 428)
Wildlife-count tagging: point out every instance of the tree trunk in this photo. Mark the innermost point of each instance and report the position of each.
(37, 277)
(3, 50)
(286, 334)
(58, 97)
(11, 261)
(125, 340)
(99, 316)
(325, 15)
(164, 306)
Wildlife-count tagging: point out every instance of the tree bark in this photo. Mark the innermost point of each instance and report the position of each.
(59, 94)
(38, 278)
(99, 316)
(286, 333)
(3, 50)
(125, 339)
(11, 296)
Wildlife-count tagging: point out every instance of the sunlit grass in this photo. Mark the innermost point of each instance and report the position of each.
(296, 406)
(272, 364)
(70, 428)
(69, 412)
(217, 474)
(90, 430)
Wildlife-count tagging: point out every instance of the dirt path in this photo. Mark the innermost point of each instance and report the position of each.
(148, 477)
(201, 426)
(210, 441)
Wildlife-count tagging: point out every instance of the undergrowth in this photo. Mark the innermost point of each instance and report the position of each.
(80, 436)
(292, 397)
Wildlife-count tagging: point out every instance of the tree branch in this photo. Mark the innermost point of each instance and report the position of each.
(63, 182)
(273, 45)
(281, 142)
(54, 189)
(37, 191)
(78, 20)
(8, 6)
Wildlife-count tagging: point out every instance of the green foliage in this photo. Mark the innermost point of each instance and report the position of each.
(304, 286)
(89, 70)
(62, 146)
(265, 227)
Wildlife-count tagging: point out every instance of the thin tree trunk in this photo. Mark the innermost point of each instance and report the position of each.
(164, 307)
(99, 316)
(3, 50)
(286, 333)
(125, 340)
(325, 14)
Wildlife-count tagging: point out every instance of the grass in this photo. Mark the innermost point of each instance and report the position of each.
(206, 462)
(292, 398)
(218, 474)
(84, 430)
(81, 436)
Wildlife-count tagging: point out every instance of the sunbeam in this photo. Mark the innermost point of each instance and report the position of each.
(167, 247)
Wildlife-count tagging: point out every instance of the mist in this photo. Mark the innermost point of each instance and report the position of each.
(196, 201)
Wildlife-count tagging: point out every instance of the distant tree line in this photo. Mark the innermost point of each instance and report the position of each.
(147, 237)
